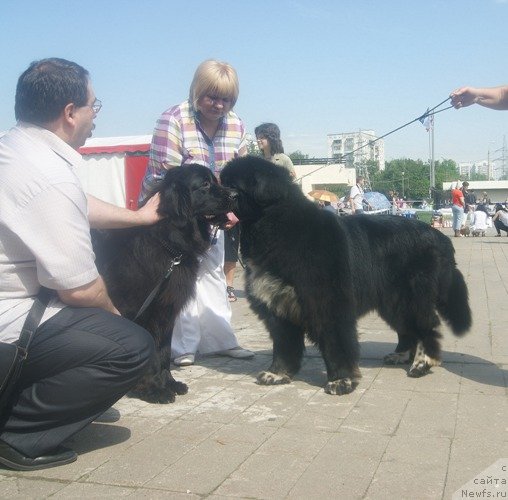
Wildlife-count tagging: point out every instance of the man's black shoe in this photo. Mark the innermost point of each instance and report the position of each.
(15, 460)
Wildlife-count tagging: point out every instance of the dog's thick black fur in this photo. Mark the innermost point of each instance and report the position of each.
(311, 272)
(132, 262)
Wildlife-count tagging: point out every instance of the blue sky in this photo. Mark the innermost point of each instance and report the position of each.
(314, 67)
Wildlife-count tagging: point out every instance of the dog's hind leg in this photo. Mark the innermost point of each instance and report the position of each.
(404, 351)
(418, 339)
(288, 347)
(427, 355)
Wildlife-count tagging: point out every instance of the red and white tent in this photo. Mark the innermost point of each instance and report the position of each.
(114, 167)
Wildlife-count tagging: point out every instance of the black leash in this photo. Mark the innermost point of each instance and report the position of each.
(174, 262)
(428, 113)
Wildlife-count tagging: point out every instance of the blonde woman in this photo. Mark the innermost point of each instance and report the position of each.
(203, 129)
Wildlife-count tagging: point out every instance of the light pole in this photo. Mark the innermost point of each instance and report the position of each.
(403, 185)
(490, 175)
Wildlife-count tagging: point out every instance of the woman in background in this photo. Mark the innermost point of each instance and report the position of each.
(269, 142)
(500, 219)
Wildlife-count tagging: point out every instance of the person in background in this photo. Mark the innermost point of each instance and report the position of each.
(83, 356)
(270, 144)
(202, 129)
(478, 220)
(485, 200)
(488, 97)
(457, 208)
(329, 208)
(392, 196)
(500, 219)
(469, 200)
(356, 196)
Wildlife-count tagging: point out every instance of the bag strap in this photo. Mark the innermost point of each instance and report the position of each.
(34, 318)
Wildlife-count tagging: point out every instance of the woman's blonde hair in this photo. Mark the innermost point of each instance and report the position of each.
(215, 78)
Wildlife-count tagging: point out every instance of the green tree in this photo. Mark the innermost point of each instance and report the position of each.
(298, 155)
(478, 177)
(252, 148)
(446, 171)
(409, 178)
(372, 167)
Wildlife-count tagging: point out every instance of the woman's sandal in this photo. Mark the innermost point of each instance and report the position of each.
(231, 294)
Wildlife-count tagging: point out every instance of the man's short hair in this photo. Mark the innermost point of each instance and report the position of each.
(46, 87)
(465, 184)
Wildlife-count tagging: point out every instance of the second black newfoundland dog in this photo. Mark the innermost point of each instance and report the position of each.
(311, 272)
(135, 261)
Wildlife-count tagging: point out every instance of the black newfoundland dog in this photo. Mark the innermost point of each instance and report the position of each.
(311, 272)
(135, 261)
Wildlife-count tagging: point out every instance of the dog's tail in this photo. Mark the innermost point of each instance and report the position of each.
(454, 306)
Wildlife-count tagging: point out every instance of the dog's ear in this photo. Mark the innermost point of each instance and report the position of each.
(176, 203)
(257, 180)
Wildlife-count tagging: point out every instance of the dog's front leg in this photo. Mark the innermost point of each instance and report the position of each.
(288, 347)
(341, 352)
(152, 387)
(173, 386)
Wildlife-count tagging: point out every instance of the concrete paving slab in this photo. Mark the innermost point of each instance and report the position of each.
(403, 473)
(344, 468)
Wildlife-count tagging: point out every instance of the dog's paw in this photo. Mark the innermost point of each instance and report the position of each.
(418, 369)
(269, 378)
(178, 387)
(421, 367)
(341, 386)
(154, 395)
(422, 362)
(397, 358)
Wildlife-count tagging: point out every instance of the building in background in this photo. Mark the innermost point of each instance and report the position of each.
(494, 168)
(357, 148)
(467, 170)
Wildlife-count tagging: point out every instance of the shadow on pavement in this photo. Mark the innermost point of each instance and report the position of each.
(97, 436)
(478, 369)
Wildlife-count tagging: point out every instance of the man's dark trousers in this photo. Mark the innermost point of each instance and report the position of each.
(81, 361)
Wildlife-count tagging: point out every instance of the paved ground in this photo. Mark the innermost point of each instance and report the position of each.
(394, 437)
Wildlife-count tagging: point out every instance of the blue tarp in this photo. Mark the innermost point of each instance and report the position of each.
(378, 201)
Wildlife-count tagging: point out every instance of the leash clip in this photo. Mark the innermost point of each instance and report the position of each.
(174, 262)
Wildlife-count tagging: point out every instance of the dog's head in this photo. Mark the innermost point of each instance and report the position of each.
(192, 192)
(258, 183)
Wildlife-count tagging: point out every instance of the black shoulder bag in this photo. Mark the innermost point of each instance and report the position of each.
(12, 356)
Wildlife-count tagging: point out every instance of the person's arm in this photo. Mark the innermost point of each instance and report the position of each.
(496, 216)
(352, 195)
(93, 294)
(103, 215)
(55, 230)
(493, 98)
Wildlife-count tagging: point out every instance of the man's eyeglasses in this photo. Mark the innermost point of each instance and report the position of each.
(96, 106)
(214, 99)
